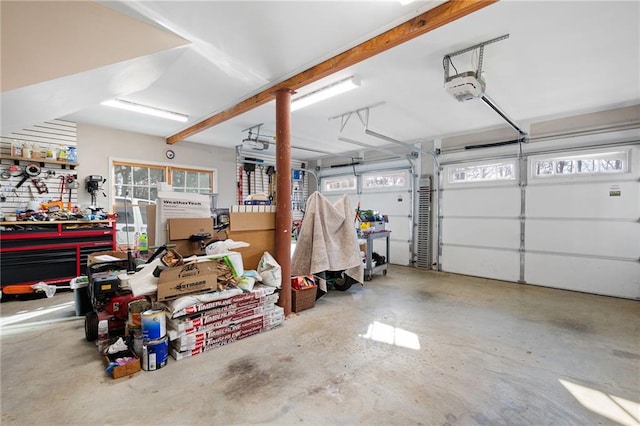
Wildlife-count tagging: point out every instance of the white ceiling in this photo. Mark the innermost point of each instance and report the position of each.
(561, 59)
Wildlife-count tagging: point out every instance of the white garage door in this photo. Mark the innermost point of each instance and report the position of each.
(573, 224)
(386, 191)
(582, 230)
(480, 205)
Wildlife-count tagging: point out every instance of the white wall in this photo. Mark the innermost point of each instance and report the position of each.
(97, 145)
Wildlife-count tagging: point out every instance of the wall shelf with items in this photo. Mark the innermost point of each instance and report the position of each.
(41, 161)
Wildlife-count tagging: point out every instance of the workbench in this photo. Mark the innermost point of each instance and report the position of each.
(369, 269)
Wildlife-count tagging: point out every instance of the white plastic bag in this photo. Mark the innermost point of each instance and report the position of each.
(270, 271)
(221, 247)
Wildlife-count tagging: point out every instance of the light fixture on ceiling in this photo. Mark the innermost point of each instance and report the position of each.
(325, 92)
(144, 109)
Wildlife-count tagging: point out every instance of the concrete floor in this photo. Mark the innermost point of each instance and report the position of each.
(413, 347)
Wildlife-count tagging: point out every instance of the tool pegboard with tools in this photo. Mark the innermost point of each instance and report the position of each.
(256, 175)
(36, 186)
(38, 169)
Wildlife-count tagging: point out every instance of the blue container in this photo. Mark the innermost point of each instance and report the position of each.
(155, 354)
(154, 324)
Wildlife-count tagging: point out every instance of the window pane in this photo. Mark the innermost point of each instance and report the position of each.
(544, 168)
(121, 190)
(141, 192)
(156, 175)
(587, 166)
(122, 174)
(564, 167)
(610, 165)
(192, 179)
(204, 180)
(178, 179)
(141, 175)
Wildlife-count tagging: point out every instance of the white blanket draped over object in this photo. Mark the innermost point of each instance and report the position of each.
(327, 239)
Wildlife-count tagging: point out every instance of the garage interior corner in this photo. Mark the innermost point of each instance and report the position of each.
(410, 347)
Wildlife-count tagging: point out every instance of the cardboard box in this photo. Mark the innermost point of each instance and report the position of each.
(251, 221)
(260, 241)
(151, 224)
(183, 228)
(180, 229)
(192, 278)
(128, 369)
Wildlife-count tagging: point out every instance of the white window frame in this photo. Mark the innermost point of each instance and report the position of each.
(568, 165)
(462, 174)
(385, 180)
(341, 184)
(167, 174)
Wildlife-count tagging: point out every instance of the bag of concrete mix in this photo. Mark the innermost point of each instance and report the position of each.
(270, 271)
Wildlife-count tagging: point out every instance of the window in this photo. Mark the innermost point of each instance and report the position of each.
(483, 173)
(191, 181)
(140, 181)
(339, 184)
(582, 164)
(385, 180)
(137, 181)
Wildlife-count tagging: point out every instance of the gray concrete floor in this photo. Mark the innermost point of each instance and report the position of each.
(412, 347)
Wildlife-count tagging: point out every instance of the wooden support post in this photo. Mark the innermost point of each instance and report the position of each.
(283, 189)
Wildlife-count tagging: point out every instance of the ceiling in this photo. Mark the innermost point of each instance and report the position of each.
(199, 58)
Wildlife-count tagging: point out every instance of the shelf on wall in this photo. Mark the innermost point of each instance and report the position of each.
(41, 161)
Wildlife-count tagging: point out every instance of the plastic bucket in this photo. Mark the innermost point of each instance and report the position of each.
(81, 295)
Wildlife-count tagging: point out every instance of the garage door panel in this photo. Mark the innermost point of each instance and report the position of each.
(504, 201)
(496, 264)
(503, 233)
(591, 275)
(399, 229)
(611, 239)
(589, 199)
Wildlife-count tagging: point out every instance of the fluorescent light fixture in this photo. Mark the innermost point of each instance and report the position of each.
(144, 109)
(325, 92)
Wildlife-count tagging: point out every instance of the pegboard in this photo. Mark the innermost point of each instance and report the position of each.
(53, 178)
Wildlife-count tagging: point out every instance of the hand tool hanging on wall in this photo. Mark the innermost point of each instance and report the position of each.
(261, 168)
(40, 185)
(55, 205)
(270, 172)
(32, 205)
(240, 172)
(30, 171)
(72, 182)
(302, 189)
(249, 168)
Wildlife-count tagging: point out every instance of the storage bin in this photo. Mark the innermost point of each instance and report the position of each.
(303, 299)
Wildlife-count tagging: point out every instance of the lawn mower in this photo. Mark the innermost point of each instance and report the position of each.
(110, 301)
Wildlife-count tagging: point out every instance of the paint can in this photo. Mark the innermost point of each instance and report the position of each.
(155, 354)
(136, 340)
(136, 308)
(154, 324)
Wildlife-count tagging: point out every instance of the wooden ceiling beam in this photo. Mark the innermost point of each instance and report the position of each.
(415, 27)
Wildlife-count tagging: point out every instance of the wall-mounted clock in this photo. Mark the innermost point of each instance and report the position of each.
(170, 154)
